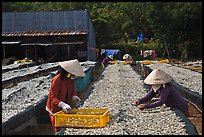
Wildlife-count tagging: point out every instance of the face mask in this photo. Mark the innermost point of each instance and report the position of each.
(156, 87)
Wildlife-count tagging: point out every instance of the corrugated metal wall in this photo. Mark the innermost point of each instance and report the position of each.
(51, 21)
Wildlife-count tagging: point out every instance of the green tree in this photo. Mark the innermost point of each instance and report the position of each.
(180, 22)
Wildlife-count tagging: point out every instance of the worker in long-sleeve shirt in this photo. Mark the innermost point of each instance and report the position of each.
(105, 60)
(160, 85)
(63, 90)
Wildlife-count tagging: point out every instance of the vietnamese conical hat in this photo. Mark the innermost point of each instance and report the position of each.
(125, 56)
(157, 76)
(111, 57)
(73, 67)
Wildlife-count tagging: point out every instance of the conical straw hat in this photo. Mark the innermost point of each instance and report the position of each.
(157, 76)
(73, 67)
(111, 57)
(125, 56)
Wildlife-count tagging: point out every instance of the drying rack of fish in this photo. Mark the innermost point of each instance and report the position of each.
(185, 77)
(10, 67)
(31, 88)
(14, 76)
(117, 87)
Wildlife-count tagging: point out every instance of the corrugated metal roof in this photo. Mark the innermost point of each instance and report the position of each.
(44, 33)
(51, 44)
(10, 42)
(45, 21)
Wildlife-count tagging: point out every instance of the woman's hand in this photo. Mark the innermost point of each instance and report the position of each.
(102, 66)
(66, 108)
(76, 100)
(135, 102)
(141, 106)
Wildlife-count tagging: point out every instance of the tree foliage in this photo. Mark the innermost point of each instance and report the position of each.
(179, 22)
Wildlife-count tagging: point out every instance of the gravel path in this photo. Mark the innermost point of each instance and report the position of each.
(115, 91)
(185, 77)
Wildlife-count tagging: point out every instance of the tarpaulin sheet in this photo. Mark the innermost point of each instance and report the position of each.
(110, 52)
(140, 37)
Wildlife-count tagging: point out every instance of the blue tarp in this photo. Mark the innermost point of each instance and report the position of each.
(140, 37)
(110, 52)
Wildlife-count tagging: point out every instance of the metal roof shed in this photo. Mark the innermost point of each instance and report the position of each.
(23, 23)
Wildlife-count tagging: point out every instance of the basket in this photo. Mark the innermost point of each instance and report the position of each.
(83, 118)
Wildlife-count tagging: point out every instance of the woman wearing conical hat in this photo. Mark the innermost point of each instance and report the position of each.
(127, 57)
(63, 90)
(160, 85)
(104, 62)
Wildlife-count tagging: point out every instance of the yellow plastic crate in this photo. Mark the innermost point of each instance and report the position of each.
(163, 61)
(83, 118)
(24, 60)
(113, 62)
(126, 62)
(146, 62)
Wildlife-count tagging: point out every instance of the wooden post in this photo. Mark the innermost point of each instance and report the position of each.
(164, 52)
(4, 51)
(25, 51)
(166, 47)
(36, 54)
(68, 55)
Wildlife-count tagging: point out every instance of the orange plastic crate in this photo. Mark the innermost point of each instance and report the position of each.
(84, 118)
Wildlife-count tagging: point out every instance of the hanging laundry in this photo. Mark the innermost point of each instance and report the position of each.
(148, 53)
(103, 51)
(140, 37)
(141, 53)
(154, 54)
(145, 53)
